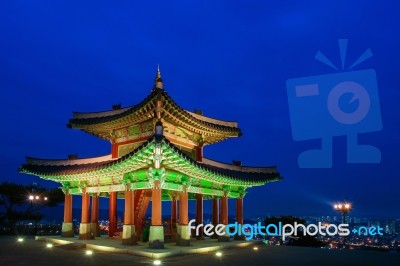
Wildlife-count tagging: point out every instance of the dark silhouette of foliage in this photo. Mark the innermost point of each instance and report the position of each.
(16, 206)
(300, 239)
(284, 219)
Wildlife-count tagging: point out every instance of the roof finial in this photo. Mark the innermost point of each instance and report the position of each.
(158, 83)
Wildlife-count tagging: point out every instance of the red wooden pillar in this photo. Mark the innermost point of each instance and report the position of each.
(95, 209)
(94, 227)
(84, 227)
(224, 210)
(183, 234)
(68, 208)
(199, 213)
(85, 208)
(156, 204)
(67, 228)
(129, 232)
(183, 208)
(239, 218)
(215, 211)
(215, 214)
(114, 150)
(128, 212)
(174, 203)
(112, 225)
(199, 153)
(224, 218)
(199, 197)
(239, 210)
(156, 237)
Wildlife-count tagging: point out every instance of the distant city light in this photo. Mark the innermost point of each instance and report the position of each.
(218, 254)
(20, 239)
(49, 245)
(45, 198)
(31, 197)
(37, 197)
(157, 262)
(89, 252)
(255, 248)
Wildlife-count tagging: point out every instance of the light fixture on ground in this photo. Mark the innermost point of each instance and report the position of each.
(49, 245)
(343, 208)
(157, 262)
(255, 248)
(218, 254)
(89, 252)
(20, 239)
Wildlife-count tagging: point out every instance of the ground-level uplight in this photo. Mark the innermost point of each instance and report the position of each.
(218, 254)
(89, 252)
(49, 245)
(255, 248)
(157, 262)
(20, 239)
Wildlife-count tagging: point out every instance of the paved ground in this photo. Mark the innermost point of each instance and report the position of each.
(32, 252)
(104, 243)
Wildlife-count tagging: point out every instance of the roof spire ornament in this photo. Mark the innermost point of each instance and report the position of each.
(158, 83)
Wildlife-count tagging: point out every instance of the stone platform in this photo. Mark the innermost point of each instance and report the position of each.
(107, 244)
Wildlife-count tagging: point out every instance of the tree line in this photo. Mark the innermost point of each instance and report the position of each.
(25, 203)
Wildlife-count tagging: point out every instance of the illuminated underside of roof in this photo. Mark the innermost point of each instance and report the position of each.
(103, 124)
(136, 169)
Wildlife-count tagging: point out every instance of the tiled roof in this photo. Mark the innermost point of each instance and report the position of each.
(80, 119)
(40, 167)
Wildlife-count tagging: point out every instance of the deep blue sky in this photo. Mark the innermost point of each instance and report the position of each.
(227, 58)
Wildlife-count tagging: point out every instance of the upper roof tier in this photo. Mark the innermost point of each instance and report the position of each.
(158, 104)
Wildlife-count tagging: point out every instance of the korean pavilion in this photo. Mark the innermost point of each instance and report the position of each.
(156, 155)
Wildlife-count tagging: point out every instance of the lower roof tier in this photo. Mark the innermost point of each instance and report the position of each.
(157, 158)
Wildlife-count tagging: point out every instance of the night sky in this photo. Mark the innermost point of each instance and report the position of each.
(229, 59)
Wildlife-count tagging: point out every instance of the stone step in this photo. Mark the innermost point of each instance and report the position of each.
(72, 246)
